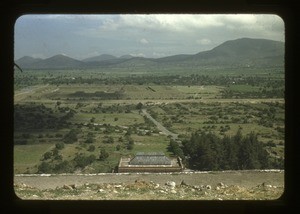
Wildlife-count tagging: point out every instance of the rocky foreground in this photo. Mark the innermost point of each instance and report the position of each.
(231, 185)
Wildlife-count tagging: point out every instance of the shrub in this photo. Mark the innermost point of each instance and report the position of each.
(89, 140)
(44, 167)
(47, 155)
(103, 154)
(70, 137)
(63, 167)
(82, 161)
(91, 148)
(60, 145)
(58, 135)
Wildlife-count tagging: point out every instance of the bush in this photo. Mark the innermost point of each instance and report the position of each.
(82, 161)
(63, 167)
(109, 140)
(91, 148)
(70, 137)
(130, 144)
(175, 149)
(103, 154)
(58, 157)
(20, 142)
(271, 143)
(55, 152)
(47, 155)
(89, 140)
(58, 135)
(44, 167)
(60, 145)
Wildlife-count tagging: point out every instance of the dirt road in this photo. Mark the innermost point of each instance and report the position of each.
(163, 129)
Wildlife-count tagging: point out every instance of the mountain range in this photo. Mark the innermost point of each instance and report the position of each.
(243, 52)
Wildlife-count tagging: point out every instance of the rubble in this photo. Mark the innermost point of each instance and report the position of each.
(140, 189)
(231, 185)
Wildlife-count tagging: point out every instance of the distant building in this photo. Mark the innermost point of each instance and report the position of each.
(150, 162)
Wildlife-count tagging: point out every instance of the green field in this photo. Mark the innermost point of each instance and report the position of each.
(27, 156)
(102, 106)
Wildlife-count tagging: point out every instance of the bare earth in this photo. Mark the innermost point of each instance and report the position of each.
(225, 185)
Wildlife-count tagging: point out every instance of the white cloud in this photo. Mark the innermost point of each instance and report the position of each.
(162, 25)
(38, 55)
(83, 35)
(137, 55)
(203, 41)
(109, 24)
(144, 41)
(172, 22)
(156, 54)
(94, 53)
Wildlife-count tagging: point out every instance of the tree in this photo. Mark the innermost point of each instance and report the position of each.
(109, 140)
(89, 140)
(70, 137)
(44, 167)
(58, 103)
(206, 151)
(129, 132)
(175, 149)
(230, 159)
(103, 154)
(63, 167)
(91, 148)
(47, 155)
(82, 161)
(139, 106)
(130, 144)
(60, 145)
(55, 151)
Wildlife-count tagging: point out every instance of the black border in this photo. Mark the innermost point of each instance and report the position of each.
(11, 10)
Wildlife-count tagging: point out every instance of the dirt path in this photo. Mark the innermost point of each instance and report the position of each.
(28, 91)
(228, 185)
(240, 178)
(163, 129)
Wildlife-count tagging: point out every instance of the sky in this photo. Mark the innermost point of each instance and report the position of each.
(152, 35)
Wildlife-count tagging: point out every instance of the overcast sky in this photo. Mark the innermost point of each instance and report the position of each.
(83, 36)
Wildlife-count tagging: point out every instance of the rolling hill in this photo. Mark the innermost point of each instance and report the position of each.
(28, 61)
(102, 57)
(244, 52)
(55, 62)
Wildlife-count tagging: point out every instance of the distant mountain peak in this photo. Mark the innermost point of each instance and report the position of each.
(237, 52)
(127, 56)
(100, 58)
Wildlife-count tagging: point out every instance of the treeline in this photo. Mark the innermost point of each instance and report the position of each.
(99, 94)
(38, 116)
(192, 79)
(207, 151)
(261, 93)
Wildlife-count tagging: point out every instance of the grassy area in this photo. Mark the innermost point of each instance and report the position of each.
(243, 88)
(26, 157)
(181, 107)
